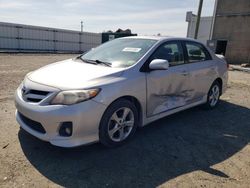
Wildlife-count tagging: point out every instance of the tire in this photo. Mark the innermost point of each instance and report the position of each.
(119, 123)
(213, 96)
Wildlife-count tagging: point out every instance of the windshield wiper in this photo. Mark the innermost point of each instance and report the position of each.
(96, 62)
(103, 62)
(89, 61)
(85, 60)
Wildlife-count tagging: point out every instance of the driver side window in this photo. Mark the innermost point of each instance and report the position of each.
(170, 51)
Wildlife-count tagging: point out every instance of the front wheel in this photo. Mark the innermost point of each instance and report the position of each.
(118, 123)
(213, 96)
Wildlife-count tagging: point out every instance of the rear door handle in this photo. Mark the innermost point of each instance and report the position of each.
(213, 68)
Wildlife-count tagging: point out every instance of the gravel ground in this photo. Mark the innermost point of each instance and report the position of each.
(193, 148)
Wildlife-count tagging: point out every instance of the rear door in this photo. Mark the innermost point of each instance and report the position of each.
(201, 67)
(168, 89)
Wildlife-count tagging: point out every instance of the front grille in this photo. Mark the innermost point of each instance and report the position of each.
(34, 96)
(37, 92)
(32, 124)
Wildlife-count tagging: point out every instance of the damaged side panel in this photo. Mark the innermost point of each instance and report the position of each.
(167, 89)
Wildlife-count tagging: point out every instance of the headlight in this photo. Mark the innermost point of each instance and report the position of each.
(74, 96)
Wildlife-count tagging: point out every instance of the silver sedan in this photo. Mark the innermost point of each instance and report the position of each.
(106, 93)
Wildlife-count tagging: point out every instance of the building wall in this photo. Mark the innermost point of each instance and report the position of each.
(26, 38)
(204, 29)
(232, 23)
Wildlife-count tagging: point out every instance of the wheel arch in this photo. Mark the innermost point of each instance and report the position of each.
(135, 101)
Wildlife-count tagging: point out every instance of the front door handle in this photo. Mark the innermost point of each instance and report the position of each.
(184, 73)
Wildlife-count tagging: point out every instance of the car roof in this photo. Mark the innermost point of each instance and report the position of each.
(162, 38)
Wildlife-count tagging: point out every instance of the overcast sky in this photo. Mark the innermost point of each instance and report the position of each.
(145, 17)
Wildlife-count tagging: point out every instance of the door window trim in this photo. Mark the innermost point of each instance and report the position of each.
(207, 53)
(145, 66)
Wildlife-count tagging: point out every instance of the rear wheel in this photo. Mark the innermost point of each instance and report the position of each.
(213, 96)
(118, 123)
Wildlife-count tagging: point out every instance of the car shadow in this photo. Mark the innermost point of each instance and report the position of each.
(187, 141)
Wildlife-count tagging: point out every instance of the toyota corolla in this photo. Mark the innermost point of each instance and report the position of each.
(107, 93)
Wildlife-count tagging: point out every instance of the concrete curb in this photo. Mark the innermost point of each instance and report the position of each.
(239, 68)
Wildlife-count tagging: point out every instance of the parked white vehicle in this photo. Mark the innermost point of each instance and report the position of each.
(105, 94)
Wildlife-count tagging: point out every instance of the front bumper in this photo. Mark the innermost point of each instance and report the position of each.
(84, 116)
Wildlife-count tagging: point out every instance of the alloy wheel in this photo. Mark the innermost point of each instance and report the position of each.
(214, 95)
(121, 124)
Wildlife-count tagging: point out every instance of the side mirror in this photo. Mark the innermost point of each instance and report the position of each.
(159, 64)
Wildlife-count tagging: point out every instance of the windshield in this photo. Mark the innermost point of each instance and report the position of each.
(120, 53)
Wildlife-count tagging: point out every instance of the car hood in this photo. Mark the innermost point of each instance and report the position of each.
(73, 74)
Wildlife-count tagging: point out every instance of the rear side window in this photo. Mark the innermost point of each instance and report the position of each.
(196, 52)
(170, 51)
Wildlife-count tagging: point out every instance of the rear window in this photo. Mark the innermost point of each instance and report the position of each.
(196, 52)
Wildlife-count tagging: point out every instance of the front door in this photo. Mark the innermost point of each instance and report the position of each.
(168, 89)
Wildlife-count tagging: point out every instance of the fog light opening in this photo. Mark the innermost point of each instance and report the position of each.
(66, 129)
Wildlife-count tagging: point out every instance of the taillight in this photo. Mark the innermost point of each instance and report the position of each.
(227, 65)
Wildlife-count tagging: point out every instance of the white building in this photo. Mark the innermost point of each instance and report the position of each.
(28, 38)
(205, 29)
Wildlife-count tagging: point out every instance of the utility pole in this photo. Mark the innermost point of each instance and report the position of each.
(213, 21)
(81, 26)
(198, 19)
